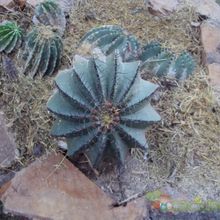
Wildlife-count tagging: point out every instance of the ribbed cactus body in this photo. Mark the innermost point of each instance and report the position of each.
(102, 104)
(111, 37)
(10, 36)
(162, 62)
(49, 13)
(42, 52)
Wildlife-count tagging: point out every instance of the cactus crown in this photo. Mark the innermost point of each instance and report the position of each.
(10, 36)
(42, 51)
(111, 37)
(102, 104)
(49, 13)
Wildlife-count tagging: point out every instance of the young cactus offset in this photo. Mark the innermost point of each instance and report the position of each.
(102, 104)
(111, 37)
(42, 52)
(10, 36)
(161, 62)
(49, 13)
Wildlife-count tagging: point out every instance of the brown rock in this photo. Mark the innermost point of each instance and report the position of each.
(161, 7)
(52, 188)
(210, 37)
(7, 145)
(208, 8)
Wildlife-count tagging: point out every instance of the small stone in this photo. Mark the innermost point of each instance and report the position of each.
(52, 188)
(38, 150)
(7, 145)
(161, 7)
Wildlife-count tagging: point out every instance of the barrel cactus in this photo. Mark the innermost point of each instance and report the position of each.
(49, 13)
(112, 37)
(10, 36)
(102, 104)
(42, 52)
(162, 62)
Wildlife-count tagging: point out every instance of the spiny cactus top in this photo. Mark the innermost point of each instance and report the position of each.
(111, 37)
(10, 36)
(102, 103)
(50, 13)
(42, 52)
(162, 62)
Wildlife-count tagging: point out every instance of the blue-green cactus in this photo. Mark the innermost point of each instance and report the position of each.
(10, 36)
(162, 62)
(42, 52)
(49, 13)
(102, 103)
(110, 38)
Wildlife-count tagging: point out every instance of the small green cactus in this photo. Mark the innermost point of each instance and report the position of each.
(49, 13)
(183, 67)
(10, 36)
(42, 52)
(162, 62)
(102, 104)
(111, 37)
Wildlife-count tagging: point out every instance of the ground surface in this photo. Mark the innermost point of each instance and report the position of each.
(184, 148)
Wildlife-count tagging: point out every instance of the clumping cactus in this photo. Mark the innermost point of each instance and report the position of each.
(49, 13)
(183, 67)
(162, 62)
(102, 104)
(10, 36)
(112, 37)
(42, 52)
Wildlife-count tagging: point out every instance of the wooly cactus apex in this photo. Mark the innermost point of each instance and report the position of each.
(102, 104)
(111, 37)
(42, 52)
(162, 62)
(50, 13)
(10, 36)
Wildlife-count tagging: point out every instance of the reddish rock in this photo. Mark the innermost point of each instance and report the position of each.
(161, 7)
(7, 145)
(52, 188)
(210, 37)
(208, 8)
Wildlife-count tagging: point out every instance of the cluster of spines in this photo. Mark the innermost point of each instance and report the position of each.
(49, 13)
(110, 38)
(10, 36)
(42, 52)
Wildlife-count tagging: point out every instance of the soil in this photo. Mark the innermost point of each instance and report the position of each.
(184, 147)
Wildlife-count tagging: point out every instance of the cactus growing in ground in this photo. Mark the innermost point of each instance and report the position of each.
(49, 13)
(42, 52)
(102, 104)
(10, 36)
(161, 62)
(111, 37)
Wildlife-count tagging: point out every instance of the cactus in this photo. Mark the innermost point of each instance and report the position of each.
(42, 52)
(49, 13)
(161, 62)
(111, 37)
(102, 104)
(183, 67)
(10, 36)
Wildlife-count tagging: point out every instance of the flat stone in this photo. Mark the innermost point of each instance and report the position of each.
(208, 8)
(52, 188)
(7, 145)
(210, 37)
(161, 7)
